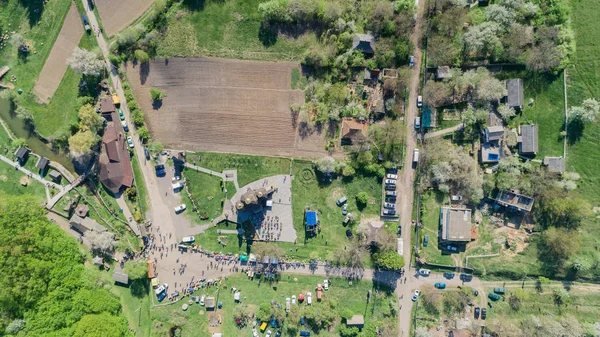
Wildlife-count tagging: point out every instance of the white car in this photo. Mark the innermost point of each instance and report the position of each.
(419, 101)
(269, 333)
(389, 205)
(175, 178)
(288, 303)
(390, 181)
(293, 299)
(161, 289)
(326, 284)
(254, 332)
(202, 300)
(309, 298)
(392, 176)
(424, 272)
(188, 239)
(180, 208)
(130, 141)
(416, 295)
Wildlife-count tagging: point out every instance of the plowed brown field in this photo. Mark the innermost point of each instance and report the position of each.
(224, 106)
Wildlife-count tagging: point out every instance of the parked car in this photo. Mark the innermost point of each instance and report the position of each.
(417, 122)
(254, 332)
(493, 297)
(160, 170)
(177, 186)
(304, 333)
(161, 289)
(416, 295)
(440, 285)
(326, 285)
(475, 293)
(411, 61)
(202, 300)
(424, 272)
(456, 198)
(147, 153)
(288, 304)
(345, 209)
(121, 115)
(391, 193)
(341, 201)
(477, 312)
(278, 333)
(466, 277)
(426, 241)
(390, 199)
(389, 212)
(269, 333)
(125, 127)
(161, 296)
(130, 141)
(399, 231)
(391, 181)
(415, 156)
(389, 205)
(449, 275)
(293, 299)
(419, 101)
(483, 313)
(309, 298)
(180, 208)
(392, 176)
(390, 187)
(188, 239)
(500, 291)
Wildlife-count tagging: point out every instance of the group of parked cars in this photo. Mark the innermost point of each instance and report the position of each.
(389, 205)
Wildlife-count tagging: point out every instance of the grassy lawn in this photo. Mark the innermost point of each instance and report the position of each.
(207, 192)
(159, 320)
(430, 218)
(9, 183)
(306, 192)
(142, 191)
(250, 168)
(228, 29)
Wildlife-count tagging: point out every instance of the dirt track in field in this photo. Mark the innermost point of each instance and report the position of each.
(224, 106)
(118, 14)
(56, 64)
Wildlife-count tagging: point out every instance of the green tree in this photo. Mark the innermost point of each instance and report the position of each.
(558, 244)
(326, 164)
(101, 325)
(82, 142)
(136, 270)
(291, 322)
(141, 56)
(89, 118)
(587, 112)
(131, 193)
(138, 117)
(346, 331)
(157, 94)
(565, 209)
(362, 198)
(143, 133)
(389, 260)
(348, 171)
(264, 312)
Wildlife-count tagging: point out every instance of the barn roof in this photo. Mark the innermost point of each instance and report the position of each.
(114, 163)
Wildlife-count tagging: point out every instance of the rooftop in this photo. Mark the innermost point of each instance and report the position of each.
(364, 43)
(555, 164)
(85, 224)
(490, 153)
(42, 163)
(514, 88)
(356, 320)
(456, 224)
(528, 140)
(21, 152)
(311, 218)
(494, 133)
(107, 106)
(120, 276)
(515, 200)
(114, 163)
(443, 72)
(353, 130)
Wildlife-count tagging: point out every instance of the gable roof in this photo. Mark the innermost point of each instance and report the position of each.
(514, 88)
(352, 130)
(364, 43)
(86, 224)
(107, 105)
(42, 163)
(528, 139)
(120, 276)
(21, 152)
(494, 133)
(555, 164)
(443, 72)
(456, 224)
(114, 163)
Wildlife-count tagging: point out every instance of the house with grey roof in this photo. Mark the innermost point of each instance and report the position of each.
(514, 96)
(455, 224)
(515, 201)
(357, 321)
(443, 72)
(555, 164)
(120, 276)
(491, 149)
(528, 140)
(42, 163)
(21, 153)
(364, 43)
(84, 225)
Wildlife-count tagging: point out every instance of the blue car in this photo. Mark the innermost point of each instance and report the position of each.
(161, 296)
(160, 170)
(426, 241)
(440, 285)
(304, 333)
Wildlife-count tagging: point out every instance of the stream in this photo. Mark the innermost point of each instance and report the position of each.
(17, 126)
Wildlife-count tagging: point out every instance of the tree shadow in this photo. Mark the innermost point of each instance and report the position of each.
(193, 5)
(144, 72)
(35, 8)
(157, 104)
(139, 288)
(267, 34)
(575, 131)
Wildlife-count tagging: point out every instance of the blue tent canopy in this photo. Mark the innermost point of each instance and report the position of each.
(311, 219)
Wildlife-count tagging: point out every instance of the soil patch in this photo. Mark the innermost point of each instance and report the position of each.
(118, 14)
(3, 178)
(56, 64)
(224, 106)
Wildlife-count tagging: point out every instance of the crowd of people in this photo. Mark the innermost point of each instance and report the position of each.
(269, 229)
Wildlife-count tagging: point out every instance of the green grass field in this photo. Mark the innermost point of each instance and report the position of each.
(9, 183)
(430, 218)
(142, 191)
(225, 29)
(206, 191)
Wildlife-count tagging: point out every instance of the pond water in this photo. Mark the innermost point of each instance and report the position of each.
(17, 126)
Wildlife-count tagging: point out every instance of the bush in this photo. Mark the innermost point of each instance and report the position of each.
(115, 60)
(138, 117)
(362, 198)
(141, 56)
(132, 104)
(157, 94)
(143, 133)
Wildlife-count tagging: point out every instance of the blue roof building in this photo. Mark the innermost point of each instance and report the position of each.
(311, 220)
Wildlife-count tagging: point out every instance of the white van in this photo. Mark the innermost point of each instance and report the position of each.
(177, 186)
(188, 239)
(180, 208)
(416, 156)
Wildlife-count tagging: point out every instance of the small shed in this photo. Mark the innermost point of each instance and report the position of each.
(357, 321)
(98, 261)
(514, 96)
(528, 140)
(42, 163)
(210, 303)
(555, 164)
(443, 72)
(107, 106)
(119, 276)
(54, 175)
(21, 153)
